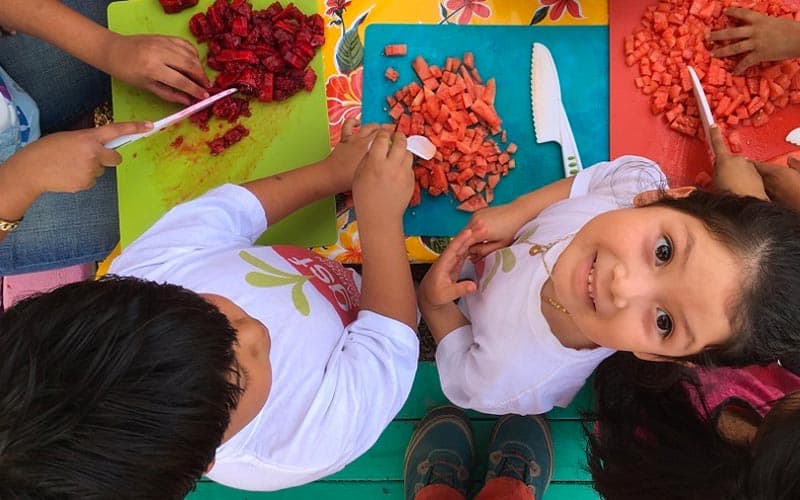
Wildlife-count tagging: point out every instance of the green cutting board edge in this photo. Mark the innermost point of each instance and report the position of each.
(502, 52)
(155, 176)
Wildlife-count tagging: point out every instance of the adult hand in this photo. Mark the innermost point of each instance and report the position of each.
(734, 173)
(440, 286)
(384, 180)
(761, 38)
(68, 162)
(498, 224)
(167, 66)
(782, 184)
(348, 154)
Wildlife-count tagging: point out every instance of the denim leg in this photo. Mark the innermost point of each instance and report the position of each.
(64, 229)
(65, 88)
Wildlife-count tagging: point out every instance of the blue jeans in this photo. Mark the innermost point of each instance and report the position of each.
(61, 229)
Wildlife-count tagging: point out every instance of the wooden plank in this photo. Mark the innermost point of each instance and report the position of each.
(427, 393)
(366, 490)
(384, 461)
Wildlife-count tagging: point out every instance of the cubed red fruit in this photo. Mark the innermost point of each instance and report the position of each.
(173, 6)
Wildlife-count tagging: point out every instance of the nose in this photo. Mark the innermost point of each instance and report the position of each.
(627, 285)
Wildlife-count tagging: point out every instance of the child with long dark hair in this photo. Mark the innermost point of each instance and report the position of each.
(668, 431)
(610, 260)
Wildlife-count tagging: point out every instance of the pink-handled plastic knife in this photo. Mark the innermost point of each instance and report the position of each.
(169, 120)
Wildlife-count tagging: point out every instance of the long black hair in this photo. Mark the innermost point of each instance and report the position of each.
(117, 388)
(649, 441)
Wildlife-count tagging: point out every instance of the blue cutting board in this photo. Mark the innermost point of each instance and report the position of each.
(502, 52)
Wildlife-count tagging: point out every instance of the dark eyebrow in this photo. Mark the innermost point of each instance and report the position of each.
(687, 250)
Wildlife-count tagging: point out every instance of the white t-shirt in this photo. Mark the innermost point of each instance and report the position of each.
(507, 360)
(339, 376)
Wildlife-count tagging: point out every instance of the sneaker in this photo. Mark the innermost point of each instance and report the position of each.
(521, 447)
(441, 451)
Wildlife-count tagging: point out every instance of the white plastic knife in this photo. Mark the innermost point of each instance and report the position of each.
(550, 120)
(169, 120)
(704, 110)
(794, 136)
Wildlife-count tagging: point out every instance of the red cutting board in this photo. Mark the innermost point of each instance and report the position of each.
(635, 130)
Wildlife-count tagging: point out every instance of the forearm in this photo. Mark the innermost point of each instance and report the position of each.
(386, 286)
(16, 196)
(54, 22)
(284, 193)
(443, 319)
(531, 204)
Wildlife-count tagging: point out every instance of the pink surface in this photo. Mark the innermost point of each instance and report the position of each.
(635, 130)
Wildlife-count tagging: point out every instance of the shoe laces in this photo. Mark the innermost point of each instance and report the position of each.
(442, 472)
(513, 462)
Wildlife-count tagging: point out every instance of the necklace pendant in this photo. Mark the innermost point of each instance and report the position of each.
(536, 249)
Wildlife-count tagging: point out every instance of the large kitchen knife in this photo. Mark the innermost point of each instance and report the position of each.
(549, 116)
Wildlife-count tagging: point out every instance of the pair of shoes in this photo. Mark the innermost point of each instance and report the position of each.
(521, 447)
(442, 451)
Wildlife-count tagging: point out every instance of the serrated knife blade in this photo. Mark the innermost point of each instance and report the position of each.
(550, 122)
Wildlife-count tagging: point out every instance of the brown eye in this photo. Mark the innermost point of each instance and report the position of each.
(663, 250)
(663, 322)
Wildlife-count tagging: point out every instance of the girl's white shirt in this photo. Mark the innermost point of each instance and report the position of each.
(508, 360)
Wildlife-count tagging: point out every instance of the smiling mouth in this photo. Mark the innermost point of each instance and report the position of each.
(590, 284)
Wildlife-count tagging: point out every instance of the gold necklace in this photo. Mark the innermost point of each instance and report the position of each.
(537, 249)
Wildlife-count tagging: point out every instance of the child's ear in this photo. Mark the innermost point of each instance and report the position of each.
(648, 197)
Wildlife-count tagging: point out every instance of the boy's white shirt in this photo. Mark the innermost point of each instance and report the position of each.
(508, 360)
(337, 379)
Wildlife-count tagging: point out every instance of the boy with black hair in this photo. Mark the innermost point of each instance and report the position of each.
(263, 366)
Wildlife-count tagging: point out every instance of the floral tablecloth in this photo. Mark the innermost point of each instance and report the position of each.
(343, 55)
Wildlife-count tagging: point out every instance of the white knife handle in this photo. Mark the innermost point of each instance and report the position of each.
(570, 156)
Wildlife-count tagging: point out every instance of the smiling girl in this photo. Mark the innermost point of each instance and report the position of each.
(608, 260)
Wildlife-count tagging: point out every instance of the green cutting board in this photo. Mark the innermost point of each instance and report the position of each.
(155, 176)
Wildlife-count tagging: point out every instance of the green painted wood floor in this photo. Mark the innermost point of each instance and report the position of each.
(378, 474)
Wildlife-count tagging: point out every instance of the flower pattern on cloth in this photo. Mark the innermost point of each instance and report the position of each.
(343, 53)
(467, 8)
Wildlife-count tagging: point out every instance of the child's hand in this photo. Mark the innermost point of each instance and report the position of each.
(734, 173)
(782, 184)
(440, 286)
(499, 224)
(384, 181)
(167, 66)
(762, 38)
(347, 155)
(68, 162)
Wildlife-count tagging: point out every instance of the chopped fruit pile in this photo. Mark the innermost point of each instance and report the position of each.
(263, 53)
(674, 34)
(455, 110)
(173, 6)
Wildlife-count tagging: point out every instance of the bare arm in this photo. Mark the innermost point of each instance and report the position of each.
(65, 162)
(381, 191)
(501, 223)
(282, 194)
(167, 66)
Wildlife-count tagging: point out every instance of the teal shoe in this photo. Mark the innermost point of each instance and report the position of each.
(441, 451)
(521, 447)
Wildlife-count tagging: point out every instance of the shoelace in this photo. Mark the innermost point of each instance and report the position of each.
(514, 465)
(441, 472)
